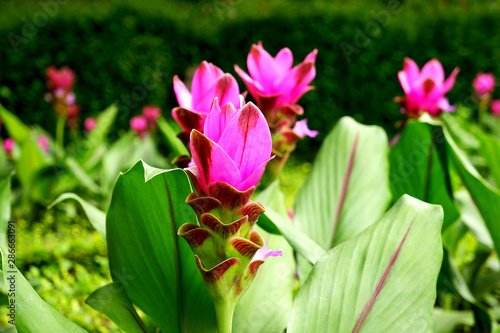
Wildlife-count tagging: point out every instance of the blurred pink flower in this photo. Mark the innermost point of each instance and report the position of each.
(43, 142)
(495, 107)
(73, 111)
(209, 81)
(272, 81)
(90, 123)
(8, 145)
(484, 83)
(425, 89)
(63, 78)
(139, 124)
(151, 112)
(300, 128)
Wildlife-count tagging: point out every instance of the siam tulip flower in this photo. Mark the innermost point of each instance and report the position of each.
(60, 79)
(484, 83)
(43, 142)
(90, 124)
(235, 148)
(425, 89)
(495, 107)
(139, 124)
(273, 82)
(209, 81)
(151, 112)
(8, 145)
(301, 130)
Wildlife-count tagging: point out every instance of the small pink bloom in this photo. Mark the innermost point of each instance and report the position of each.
(209, 81)
(70, 98)
(272, 81)
(495, 107)
(151, 113)
(8, 145)
(43, 142)
(263, 253)
(63, 78)
(484, 83)
(300, 128)
(235, 148)
(425, 89)
(89, 124)
(139, 124)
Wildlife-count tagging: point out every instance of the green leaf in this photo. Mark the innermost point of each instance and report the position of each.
(32, 314)
(157, 267)
(30, 162)
(79, 173)
(115, 304)
(486, 199)
(419, 168)
(173, 142)
(490, 150)
(105, 121)
(445, 321)
(5, 211)
(383, 280)
(348, 188)
(96, 217)
(15, 127)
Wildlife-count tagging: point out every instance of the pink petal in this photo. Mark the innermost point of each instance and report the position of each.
(227, 90)
(403, 79)
(263, 253)
(411, 70)
(218, 119)
(262, 68)
(203, 83)
(253, 87)
(212, 162)
(312, 56)
(450, 81)
(300, 128)
(188, 119)
(182, 93)
(284, 60)
(247, 139)
(294, 84)
(433, 70)
(254, 178)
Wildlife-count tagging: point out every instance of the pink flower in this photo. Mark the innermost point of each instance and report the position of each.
(263, 253)
(272, 81)
(495, 107)
(484, 83)
(73, 111)
(300, 128)
(151, 113)
(63, 78)
(8, 145)
(234, 150)
(43, 142)
(209, 81)
(425, 89)
(139, 124)
(90, 123)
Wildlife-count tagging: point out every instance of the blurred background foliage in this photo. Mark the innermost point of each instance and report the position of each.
(117, 46)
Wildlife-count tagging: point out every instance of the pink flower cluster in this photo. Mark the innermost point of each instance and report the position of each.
(60, 84)
(145, 122)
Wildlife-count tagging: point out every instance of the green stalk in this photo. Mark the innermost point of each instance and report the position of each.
(224, 312)
(61, 121)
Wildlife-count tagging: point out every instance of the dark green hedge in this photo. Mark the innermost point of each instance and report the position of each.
(115, 52)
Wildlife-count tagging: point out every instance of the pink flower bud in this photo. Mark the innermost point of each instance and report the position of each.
(425, 90)
(8, 145)
(89, 124)
(484, 83)
(495, 107)
(272, 81)
(139, 125)
(43, 142)
(151, 113)
(209, 81)
(63, 78)
(300, 128)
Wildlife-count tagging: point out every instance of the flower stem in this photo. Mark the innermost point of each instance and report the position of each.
(224, 312)
(60, 136)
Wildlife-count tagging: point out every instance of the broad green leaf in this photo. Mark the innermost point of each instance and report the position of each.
(79, 173)
(348, 188)
(383, 280)
(105, 121)
(15, 127)
(419, 168)
(115, 304)
(445, 321)
(30, 162)
(490, 149)
(32, 314)
(156, 266)
(5, 202)
(486, 198)
(96, 217)
(173, 142)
